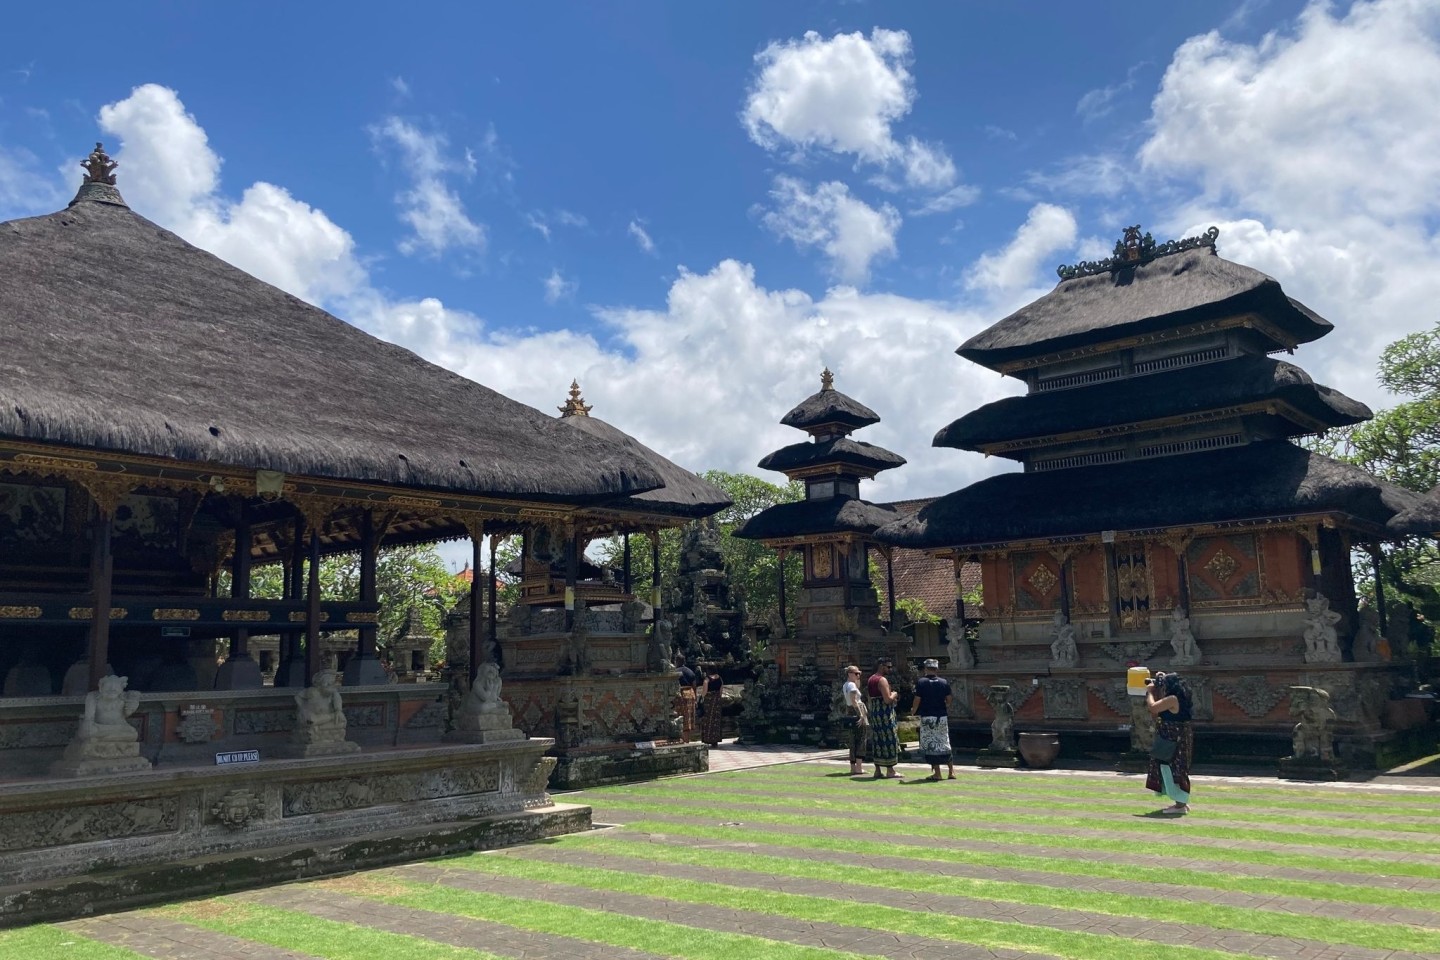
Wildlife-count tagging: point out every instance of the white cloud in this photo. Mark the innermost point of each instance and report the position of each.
(852, 233)
(641, 235)
(400, 86)
(431, 207)
(952, 199)
(558, 287)
(1048, 230)
(541, 222)
(843, 95)
(1099, 102)
(24, 189)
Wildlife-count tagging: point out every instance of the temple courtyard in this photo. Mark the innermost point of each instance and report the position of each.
(781, 854)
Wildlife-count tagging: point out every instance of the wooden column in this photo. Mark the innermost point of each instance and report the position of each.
(1376, 558)
(889, 583)
(780, 566)
(656, 598)
(959, 563)
(572, 563)
(494, 633)
(625, 567)
(102, 574)
(477, 630)
(369, 586)
(1183, 568)
(1065, 588)
(295, 589)
(313, 662)
(240, 579)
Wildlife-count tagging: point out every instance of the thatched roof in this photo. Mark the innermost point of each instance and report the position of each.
(863, 457)
(1156, 396)
(117, 335)
(1273, 478)
(1180, 288)
(684, 493)
(1421, 519)
(830, 406)
(804, 517)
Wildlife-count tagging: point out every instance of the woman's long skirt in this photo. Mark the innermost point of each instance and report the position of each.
(1173, 779)
(685, 706)
(884, 745)
(712, 721)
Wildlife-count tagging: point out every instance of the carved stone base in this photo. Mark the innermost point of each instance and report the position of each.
(1311, 769)
(997, 758)
(99, 766)
(484, 736)
(334, 748)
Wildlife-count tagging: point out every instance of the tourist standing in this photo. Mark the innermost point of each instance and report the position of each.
(859, 719)
(685, 703)
(884, 742)
(1168, 699)
(932, 705)
(710, 707)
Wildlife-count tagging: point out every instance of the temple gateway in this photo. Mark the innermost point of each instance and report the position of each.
(1165, 514)
(167, 422)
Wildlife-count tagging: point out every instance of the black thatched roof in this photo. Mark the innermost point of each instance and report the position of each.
(684, 493)
(1168, 291)
(1420, 519)
(830, 406)
(117, 335)
(865, 457)
(1242, 380)
(1269, 479)
(803, 517)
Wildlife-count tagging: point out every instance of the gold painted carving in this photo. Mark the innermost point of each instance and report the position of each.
(404, 501)
(362, 617)
(85, 613)
(1222, 566)
(822, 562)
(301, 617)
(248, 616)
(174, 613)
(20, 613)
(65, 464)
(1043, 580)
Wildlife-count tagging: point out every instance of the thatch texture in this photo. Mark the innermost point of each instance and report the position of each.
(863, 457)
(827, 407)
(118, 335)
(684, 493)
(1166, 292)
(1421, 519)
(1190, 390)
(1261, 480)
(805, 517)
(919, 576)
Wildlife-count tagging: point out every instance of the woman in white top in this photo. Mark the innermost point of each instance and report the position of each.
(859, 722)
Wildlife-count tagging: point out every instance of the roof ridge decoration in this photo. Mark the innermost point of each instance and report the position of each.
(576, 405)
(98, 167)
(1134, 249)
(827, 380)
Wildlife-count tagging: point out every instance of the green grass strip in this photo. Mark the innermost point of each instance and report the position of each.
(317, 936)
(991, 934)
(595, 926)
(1348, 864)
(1272, 923)
(53, 943)
(922, 803)
(1049, 786)
(1099, 869)
(928, 805)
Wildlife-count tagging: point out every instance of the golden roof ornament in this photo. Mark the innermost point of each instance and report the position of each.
(827, 379)
(575, 406)
(98, 167)
(1136, 248)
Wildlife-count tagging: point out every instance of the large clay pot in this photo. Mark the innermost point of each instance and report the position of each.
(1039, 749)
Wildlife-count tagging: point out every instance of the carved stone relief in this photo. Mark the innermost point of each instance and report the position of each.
(1253, 694)
(961, 706)
(353, 792)
(197, 725)
(428, 716)
(57, 826)
(1137, 651)
(1112, 694)
(29, 733)
(365, 715)
(237, 808)
(263, 721)
(1064, 699)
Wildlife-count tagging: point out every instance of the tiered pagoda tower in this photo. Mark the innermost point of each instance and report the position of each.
(1164, 515)
(837, 618)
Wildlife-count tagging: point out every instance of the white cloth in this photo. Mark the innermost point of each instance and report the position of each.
(852, 694)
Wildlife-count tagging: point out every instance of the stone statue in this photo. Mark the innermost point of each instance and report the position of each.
(962, 656)
(1366, 646)
(483, 717)
(1063, 649)
(1182, 641)
(320, 719)
(577, 644)
(1322, 644)
(1142, 726)
(1002, 728)
(661, 650)
(105, 742)
(1312, 738)
(569, 721)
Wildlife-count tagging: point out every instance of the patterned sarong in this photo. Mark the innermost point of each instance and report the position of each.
(712, 721)
(935, 739)
(685, 706)
(884, 745)
(1179, 764)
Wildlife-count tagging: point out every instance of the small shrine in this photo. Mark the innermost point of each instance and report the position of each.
(1164, 514)
(708, 612)
(837, 615)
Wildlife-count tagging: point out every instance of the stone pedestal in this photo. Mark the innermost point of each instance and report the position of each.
(98, 758)
(361, 671)
(239, 673)
(484, 728)
(1309, 768)
(991, 758)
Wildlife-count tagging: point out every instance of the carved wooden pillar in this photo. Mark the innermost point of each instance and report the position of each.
(890, 584)
(102, 572)
(655, 596)
(780, 565)
(494, 633)
(477, 629)
(625, 568)
(369, 587)
(240, 579)
(313, 662)
(1376, 558)
(572, 563)
(959, 564)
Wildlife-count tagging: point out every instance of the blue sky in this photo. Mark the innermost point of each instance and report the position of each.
(692, 207)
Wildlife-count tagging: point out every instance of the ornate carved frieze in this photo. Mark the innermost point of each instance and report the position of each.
(1020, 693)
(36, 733)
(1252, 694)
(197, 724)
(1135, 651)
(350, 793)
(365, 715)
(237, 808)
(1112, 694)
(62, 825)
(962, 707)
(429, 716)
(1064, 699)
(263, 721)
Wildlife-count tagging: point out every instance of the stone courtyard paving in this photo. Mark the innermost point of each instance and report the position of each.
(802, 862)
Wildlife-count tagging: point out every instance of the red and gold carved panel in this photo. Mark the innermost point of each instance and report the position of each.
(997, 597)
(1285, 569)
(1164, 577)
(1037, 581)
(1224, 568)
(1088, 593)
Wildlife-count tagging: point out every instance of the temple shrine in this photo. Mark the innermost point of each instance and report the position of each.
(1164, 514)
(837, 617)
(164, 417)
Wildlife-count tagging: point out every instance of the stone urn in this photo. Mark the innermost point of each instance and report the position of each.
(1039, 749)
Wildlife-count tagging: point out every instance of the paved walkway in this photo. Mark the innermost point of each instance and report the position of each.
(732, 756)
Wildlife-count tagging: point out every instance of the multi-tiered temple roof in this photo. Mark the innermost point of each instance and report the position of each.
(1153, 402)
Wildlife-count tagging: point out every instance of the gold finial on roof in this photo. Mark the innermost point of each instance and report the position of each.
(575, 406)
(827, 379)
(98, 167)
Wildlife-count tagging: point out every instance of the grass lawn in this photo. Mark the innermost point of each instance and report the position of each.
(802, 862)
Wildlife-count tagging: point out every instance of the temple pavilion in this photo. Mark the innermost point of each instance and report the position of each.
(1164, 514)
(166, 418)
(837, 616)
